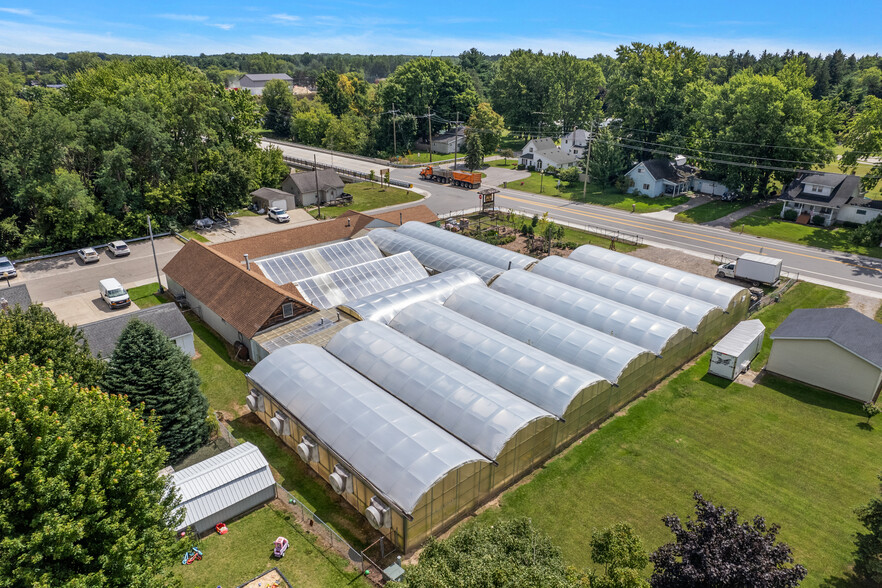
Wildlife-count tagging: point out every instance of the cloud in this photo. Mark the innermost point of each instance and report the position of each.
(184, 17)
(286, 17)
(224, 27)
(18, 11)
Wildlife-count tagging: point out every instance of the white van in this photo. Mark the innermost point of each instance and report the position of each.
(113, 293)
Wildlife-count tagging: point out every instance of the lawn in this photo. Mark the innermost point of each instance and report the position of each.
(793, 454)
(710, 211)
(423, 157)
(246, 551)
(147, 295)
(192, 234)
(223, 380)
(767, 223)
(369, 196)
(611, 197)
(510, 163)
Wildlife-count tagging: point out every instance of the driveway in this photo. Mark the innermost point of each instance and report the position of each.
(250, 226)
(85, 308)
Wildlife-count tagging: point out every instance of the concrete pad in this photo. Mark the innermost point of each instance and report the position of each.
(83, 309)
(250, 226)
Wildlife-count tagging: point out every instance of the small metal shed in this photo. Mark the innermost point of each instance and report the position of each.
(733, 354)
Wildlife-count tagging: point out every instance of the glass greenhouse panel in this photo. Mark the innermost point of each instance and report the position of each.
(496, 256)
(381, 307)
(478, 412)
(592, 350)
(293, 267)
(542, 379)
(329, 290)
(707, 289)
(393, 447)
(433, 257)
(625, 322)
(658, 301)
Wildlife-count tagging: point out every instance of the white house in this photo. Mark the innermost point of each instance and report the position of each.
(540, 153)
(257, 82)
(835, 197)
(447, 142)
(660, 177)
(575, 143)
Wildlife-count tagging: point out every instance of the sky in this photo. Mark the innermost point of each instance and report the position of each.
(583, 28)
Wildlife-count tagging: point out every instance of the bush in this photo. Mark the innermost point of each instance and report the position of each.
(531, 168)
(551, 170)
(869, 234)
(818, 220)
(790, 214)
(569, 175)
(521, 166)
(850, 225)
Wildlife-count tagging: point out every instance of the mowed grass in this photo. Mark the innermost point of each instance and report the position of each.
(423, 157)
(709, 212)
(790, 453)
(223, 380)
(246, 551)
(147, 295)
(369, 196)
(767, 223)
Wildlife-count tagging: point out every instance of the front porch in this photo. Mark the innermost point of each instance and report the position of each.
(675, 188)
(806, 212)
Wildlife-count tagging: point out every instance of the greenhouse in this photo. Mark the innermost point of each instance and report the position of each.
(293, 267)
(575, 395)
(409, 476)
(435, 258)
(504, 428)
(382, 306)
(726, 296)
(652, 332)
(490, 254)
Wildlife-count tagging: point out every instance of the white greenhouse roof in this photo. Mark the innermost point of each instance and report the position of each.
(474, 410)
(382, 306)
(740, 338)
(664, 303)
(293, 267)
(329, 290)
(707, 289)
(496, 256)
(218, 482)
(394, 448)
(433, 257)
(574, 343)
(546, 381)
(624, 322)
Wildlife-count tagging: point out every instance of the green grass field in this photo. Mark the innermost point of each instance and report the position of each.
(246, 551)
(192, 234)
(368, 196)
(423, 157)
(793, 454)
(710, 211)
(767, 223)
(147, 295)
(223, 380)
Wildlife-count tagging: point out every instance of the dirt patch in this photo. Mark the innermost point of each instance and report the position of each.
(866, 305)
(677, 259)
(268, 580)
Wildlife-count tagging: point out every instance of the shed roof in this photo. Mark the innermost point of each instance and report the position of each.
(740, 338)
(305, 182)
(261, 77)
(401, 453)
(103, 335)
(212, 485)
(17, 295)
(490, 254)
(846, 327)
(269, 194)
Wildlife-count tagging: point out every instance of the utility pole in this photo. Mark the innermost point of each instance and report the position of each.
(318, 196)
(394, 138)
(456, 140)
(152, 246)
(429, 120)
(587, 158)
(540, 123)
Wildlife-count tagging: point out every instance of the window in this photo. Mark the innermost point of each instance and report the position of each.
(639, 170)
(531, 150)
(646, 186)
(287, 310)
(861, 212)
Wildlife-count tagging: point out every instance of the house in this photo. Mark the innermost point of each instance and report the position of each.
(837, 349)
(541, 153)
(223, 487)
(661, 177)
(448, 142)
(103, 335)
(17, 295)
(303, 187)
(835, 197)
(257, 82)
(575, 143)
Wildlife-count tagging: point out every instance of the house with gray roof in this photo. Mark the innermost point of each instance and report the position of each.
(310, 188)
(103, 335)
(544, 152)
(223, 487)
(834, 197)
(266, 197)
(257, 82)
(17, 295)
(837, 349)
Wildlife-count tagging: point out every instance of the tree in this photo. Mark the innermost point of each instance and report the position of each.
(521, 89)
(477, 65)
(569, 175)
(716, 549)
(506, 154)
(81, 499)
(868, 556)
(153, 372)
(621, 552)
(429, 82)
(279, 103)
(870, 410)
(863, 138)
(37, 333)
(474, 151)
(488, 125)
(574, 90)
(608, 160)
(869, 234)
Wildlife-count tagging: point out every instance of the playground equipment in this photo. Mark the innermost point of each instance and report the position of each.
(221, 529)
(193, 555)
(280, 546)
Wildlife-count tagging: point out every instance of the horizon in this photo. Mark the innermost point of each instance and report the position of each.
(394, 28)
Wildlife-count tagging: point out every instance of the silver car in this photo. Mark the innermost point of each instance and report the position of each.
(88, 255)
(7, 268)
(119, 248)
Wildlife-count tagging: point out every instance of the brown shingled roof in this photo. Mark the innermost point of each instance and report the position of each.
(246, 300)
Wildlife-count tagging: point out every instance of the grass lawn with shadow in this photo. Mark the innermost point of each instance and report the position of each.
(710, 211)
(369, 196)
(148, 295)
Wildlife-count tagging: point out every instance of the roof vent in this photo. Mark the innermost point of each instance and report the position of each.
(307, 449)
(378, 514)
(255, 401)
(341, 480)
(280, 424)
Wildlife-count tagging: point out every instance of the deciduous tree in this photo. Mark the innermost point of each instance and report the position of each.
(863, 138)
(868, 557)
(488, 125)
(430, 82)
(279, 103)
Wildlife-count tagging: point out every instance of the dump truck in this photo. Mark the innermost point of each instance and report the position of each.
(758, 269)
(449, 176)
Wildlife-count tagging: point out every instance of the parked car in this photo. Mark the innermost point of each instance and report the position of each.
(88, 255)
(119, 248)
(278, 215)
(113, 293)
(7, 268)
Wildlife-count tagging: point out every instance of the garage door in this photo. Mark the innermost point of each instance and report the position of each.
(283, 204)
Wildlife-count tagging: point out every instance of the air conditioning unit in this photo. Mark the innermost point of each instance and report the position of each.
(378, 514)
(255, 401)
(340, 479)
(307, 449)
(280, 424)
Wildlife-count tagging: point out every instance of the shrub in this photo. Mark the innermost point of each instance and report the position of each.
(551, 170)
(869, 234)
(850, 225)
(790, 214)
(569, 175)
(521, 166)
(531, 168)
(818, 220)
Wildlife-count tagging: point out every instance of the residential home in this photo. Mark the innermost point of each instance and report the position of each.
(835, 197)
(541, 153)
(102, 335)
(310, 188)
(661, 177)
(13, 296)
(575, 143)
(257, 82)
(451, 141)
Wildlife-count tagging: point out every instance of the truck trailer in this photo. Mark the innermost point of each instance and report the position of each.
(757, 269)
(449, 176)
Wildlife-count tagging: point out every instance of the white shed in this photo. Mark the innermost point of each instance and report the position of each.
(733, 354)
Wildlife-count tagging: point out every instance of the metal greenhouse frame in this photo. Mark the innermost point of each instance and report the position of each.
(496, 256)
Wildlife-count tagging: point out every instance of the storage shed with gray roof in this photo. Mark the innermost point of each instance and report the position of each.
(103, 335)
(17, 295)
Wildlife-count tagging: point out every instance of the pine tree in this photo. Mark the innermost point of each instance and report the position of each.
(149, 368)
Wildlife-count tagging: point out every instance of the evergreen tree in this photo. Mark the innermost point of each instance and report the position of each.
(474, 151)
(151, 370)
(868, 560)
